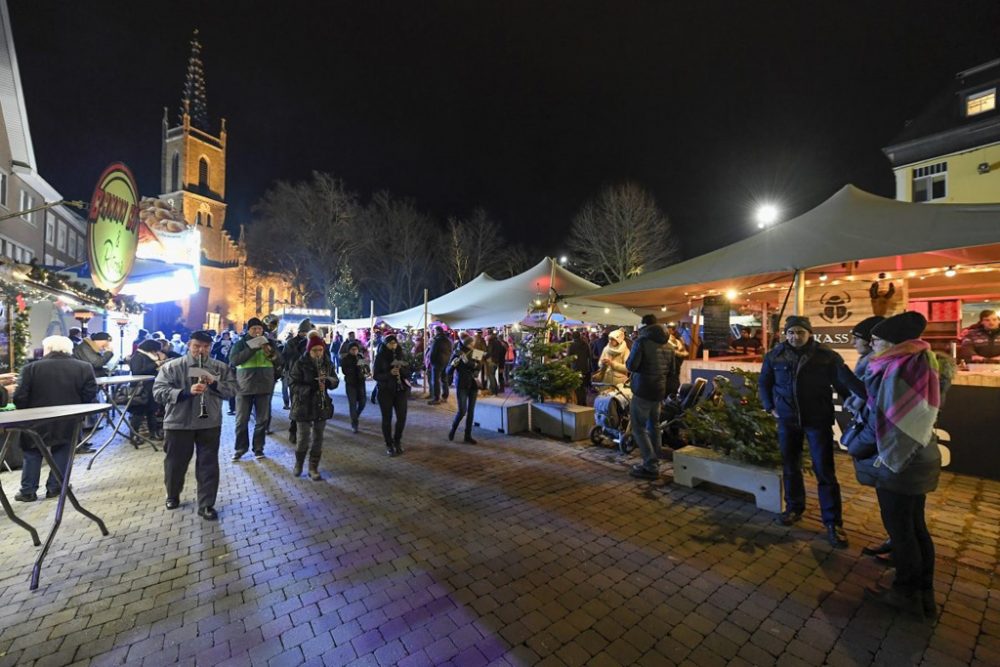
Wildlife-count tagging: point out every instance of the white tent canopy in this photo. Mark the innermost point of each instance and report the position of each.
(879, 234)
(485, 302)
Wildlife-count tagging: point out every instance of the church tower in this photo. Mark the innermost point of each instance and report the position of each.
(193, 166)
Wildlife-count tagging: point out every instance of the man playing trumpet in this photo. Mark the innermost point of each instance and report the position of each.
(258, 366)
(192, 388)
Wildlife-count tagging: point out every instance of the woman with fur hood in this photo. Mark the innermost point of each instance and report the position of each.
(611, 367)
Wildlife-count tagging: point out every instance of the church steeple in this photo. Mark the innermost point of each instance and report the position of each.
(194, 103)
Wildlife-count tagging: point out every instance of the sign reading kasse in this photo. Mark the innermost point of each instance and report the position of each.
(113, 228)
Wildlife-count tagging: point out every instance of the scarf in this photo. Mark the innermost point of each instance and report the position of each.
(907, 401)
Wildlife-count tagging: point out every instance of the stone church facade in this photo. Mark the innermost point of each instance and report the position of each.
(193, 180)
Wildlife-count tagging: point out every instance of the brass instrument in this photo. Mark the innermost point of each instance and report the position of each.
(202, 408)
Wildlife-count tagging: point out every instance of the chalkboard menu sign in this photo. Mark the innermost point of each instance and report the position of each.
(715, 315)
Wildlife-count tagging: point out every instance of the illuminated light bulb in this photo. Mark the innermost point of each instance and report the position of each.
(823, 277)
(835, 282)
(663, 309)
(950, 272)
(607, 310)
(850, 278)
(538, 302)
(732, 294)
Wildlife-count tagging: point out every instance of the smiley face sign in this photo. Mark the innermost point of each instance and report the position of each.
(113, 228)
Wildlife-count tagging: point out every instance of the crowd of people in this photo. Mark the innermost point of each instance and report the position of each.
(894, 394)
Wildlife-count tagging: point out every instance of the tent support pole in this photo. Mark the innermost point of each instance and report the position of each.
(371, 330)
(800, 292)
(784, 304)
(426, 341)
(763, 326)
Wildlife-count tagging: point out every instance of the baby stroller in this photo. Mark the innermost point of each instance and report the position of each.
(673, 409)
(611, 416)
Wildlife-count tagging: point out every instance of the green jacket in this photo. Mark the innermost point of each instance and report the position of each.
(255, 372)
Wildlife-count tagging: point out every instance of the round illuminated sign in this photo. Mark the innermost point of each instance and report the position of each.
(113, 228)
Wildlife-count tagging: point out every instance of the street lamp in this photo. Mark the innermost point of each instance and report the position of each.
(82, 315)
(563, 259)
(122, 322)
(767, 215)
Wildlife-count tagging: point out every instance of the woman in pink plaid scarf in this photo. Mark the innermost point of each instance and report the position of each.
(905, 385)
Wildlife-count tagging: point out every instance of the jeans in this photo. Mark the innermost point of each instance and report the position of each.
(645, 419)
(311, 440)
(31, 467)
(820, 439)
(912, 547)
(466, 408)
(389, 401)
(284, 393)
(261, 404)
(439, 384)
(356, 400)
(179, 447)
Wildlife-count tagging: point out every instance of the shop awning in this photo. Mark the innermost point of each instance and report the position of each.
(853, 232)
(151, 280)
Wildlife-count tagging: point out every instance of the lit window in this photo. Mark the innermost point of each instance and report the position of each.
(930, 182)
(978, 103)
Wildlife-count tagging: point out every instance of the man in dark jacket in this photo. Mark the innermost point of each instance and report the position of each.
(55, 379)
(353, 364)
(582, 363)
(440, 354)
(597, 347)
(496, 351)
(294, 349)
(651, 362)
(257, 369)
(94, 350)
(795, 386)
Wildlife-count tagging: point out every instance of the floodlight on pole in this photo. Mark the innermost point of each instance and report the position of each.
(563, 259)
(767, 215)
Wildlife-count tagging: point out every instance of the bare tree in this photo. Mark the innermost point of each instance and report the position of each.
(475, 245)
(399, 258)
(621, 234)
(514, 259)
(305, 229)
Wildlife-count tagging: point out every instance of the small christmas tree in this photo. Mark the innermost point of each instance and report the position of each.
(733, 422)
(543, 370)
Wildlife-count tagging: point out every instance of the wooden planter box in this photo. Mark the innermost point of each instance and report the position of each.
(502, 415)
(562, 420)
(694, 465)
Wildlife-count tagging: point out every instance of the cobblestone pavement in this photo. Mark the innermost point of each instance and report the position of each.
(517, 551)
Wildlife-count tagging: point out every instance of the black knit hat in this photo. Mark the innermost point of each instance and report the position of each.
(798, 321)
(254, 322)
(905, 326)
(201, 336)
(150, 345)
(863, 329)
(100, 335)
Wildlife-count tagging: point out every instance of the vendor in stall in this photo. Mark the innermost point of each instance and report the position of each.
(981, 341)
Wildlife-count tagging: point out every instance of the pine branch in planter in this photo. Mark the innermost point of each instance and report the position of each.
(734, 423)
(543, 370)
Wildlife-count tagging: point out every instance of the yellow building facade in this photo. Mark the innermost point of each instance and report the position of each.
(950, 153)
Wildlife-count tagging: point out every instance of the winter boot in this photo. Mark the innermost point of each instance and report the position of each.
(314, 471)
(300, 459)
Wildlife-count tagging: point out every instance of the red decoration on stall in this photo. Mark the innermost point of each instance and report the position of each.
(21, 304)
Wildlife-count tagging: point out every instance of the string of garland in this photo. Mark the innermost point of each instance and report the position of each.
(59, 281)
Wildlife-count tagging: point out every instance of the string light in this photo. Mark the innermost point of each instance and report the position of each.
(823, 277)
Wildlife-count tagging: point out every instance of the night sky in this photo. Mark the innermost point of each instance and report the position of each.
(525, 108)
